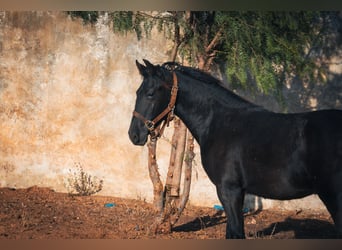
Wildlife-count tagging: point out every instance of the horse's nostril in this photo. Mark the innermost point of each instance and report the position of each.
(135, 138)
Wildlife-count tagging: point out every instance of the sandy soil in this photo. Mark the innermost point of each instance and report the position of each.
(41, 213)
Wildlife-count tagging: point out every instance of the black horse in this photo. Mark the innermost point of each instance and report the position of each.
(244, 147)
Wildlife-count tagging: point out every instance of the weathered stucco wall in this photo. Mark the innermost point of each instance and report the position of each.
(67, 92)
(66, 96)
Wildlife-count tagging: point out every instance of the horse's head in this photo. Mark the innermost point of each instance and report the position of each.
(152, 102)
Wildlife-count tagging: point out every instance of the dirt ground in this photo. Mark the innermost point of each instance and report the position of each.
(41, 213)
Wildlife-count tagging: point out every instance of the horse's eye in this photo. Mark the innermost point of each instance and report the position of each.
(150, 94)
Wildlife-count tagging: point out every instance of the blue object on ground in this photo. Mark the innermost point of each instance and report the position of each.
(218, 207)
(245, 210)
(110, 205)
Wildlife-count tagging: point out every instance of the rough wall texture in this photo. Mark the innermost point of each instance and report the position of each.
(67, 92)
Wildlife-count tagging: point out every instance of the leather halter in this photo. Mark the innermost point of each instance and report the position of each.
(169, 111)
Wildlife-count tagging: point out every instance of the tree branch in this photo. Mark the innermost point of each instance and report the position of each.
(214, 41)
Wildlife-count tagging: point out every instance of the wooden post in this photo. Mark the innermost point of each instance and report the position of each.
(176, 159)
(183, 199)
(154, 176)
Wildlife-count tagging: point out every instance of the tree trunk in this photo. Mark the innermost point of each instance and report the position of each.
(176, 158)
(158, 197)
(183, 199)
(174, 203)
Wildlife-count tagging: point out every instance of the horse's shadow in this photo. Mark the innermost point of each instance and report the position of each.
(302, 228)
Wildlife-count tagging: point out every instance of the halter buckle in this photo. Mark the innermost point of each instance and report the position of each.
(149, 125)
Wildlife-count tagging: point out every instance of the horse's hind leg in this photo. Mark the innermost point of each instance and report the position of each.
(338, 219)
(333, 202)
(232, 200)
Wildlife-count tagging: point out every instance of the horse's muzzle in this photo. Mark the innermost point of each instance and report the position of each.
(137, 133)
(136, 139)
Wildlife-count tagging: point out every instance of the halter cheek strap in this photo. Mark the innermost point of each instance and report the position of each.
(169, 111)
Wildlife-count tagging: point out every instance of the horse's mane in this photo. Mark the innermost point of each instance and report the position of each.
(193, 73)
(227, 96)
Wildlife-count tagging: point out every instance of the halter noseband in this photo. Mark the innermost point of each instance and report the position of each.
(169, 111)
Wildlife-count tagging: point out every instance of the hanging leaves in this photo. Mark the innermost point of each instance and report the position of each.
(258, 48)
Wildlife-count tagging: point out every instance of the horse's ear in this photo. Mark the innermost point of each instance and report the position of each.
(141, 68)
(151, 69)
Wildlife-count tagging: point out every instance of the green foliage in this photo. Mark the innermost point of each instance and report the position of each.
(259, 49)
(122, 21)
(82, 184)
(86, 16)
(269, 45)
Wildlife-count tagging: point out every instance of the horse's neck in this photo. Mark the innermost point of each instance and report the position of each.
(199, 103)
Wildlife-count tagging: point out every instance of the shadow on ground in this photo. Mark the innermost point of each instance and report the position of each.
(302, 228)
(299, 228)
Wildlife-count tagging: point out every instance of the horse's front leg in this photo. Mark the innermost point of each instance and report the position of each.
(232, 198)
